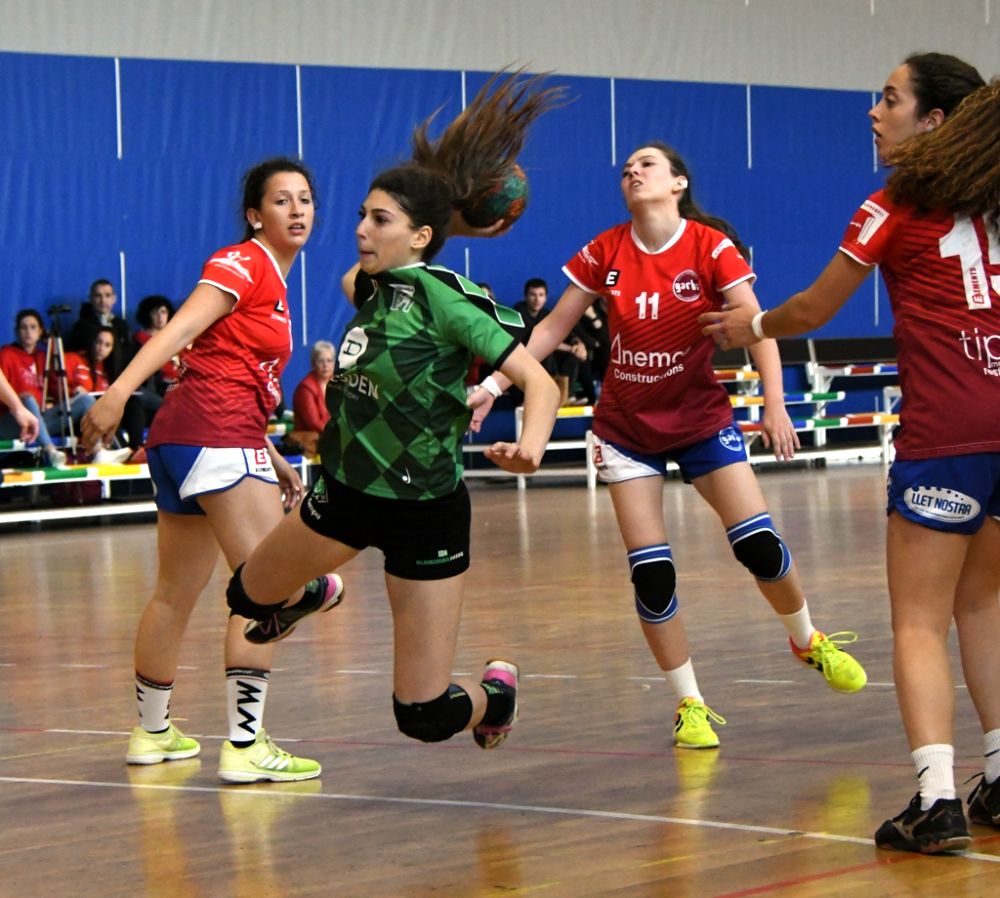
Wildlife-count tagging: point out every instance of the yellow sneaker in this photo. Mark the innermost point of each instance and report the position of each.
(152, 748)
(839, 669)
(263, 762)
(693, 727)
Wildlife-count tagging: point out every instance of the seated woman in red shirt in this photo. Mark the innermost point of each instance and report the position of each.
(90, 372)
(85, 371)
(309, 400)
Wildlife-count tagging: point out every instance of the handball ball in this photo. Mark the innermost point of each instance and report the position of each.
(505, 201)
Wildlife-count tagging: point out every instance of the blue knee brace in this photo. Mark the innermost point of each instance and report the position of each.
(655, 582)
(759, 548)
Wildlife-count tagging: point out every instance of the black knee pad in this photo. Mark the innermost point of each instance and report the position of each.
(240, 603)
(436, 720)
(655, 585)
(763, 554)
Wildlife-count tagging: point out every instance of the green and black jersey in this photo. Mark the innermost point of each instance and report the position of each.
(397, 400)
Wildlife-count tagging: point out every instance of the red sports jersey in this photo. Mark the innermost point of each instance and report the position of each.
(943, 276)
(24, 371)
(229, 378)
(78, 374)
(659, 390)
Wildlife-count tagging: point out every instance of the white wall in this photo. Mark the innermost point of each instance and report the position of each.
(849, 44)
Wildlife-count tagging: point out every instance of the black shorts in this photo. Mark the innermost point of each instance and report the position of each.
(422, 539)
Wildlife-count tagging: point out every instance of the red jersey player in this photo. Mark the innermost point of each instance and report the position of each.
(661, 402)
(228, 383)
(935, 233)
(216, 474)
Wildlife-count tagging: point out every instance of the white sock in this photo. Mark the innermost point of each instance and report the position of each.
(153, 701)
(935, 771)
(799, 626)
(991, 749)
(683, 681)
(246, 693)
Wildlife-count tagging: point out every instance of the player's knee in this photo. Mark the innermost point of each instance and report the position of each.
(436, 720)
(240, 603)
(655, 581)
(760, 548)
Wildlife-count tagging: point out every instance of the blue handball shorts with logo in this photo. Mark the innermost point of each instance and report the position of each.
(616, 464)
(954, 493)
(182, 473)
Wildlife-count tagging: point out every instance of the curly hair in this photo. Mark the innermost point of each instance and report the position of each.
(148, 305)
(957, 165)
(484, 140)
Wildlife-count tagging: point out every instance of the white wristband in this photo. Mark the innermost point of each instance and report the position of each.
(491, 387)
(757, 327)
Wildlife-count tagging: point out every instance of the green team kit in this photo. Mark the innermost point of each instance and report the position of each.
(397, 401)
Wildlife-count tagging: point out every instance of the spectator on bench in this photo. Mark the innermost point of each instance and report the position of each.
(563, 363)
(309, 400)
(153, 313)
(90, 372)
(23, 364)
(99, 311)
(16, 412)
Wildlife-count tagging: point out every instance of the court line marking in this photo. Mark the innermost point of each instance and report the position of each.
(347, 743)
(746, 681)
(483, 806)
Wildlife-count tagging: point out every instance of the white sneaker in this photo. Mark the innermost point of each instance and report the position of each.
(111, 456)
(55, 457)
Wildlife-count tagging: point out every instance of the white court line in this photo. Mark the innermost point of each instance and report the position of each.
(488, 806)
(125, 734)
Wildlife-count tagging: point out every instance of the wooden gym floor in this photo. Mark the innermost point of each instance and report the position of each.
(587, 798)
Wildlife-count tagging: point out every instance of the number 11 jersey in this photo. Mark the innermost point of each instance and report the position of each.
(660, 391)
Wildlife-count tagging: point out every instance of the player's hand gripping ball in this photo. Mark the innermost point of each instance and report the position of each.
(504, 201)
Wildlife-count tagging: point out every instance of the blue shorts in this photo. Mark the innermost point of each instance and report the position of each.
(954, 493)
(182, 473)
(616, 464)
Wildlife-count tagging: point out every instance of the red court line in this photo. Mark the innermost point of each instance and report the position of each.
(829, 874)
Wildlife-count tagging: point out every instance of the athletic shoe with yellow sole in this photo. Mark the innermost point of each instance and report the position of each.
(693, 725)
(321, 595)
(840, 670)
(263, 762)
(500, 675)
(152, 748)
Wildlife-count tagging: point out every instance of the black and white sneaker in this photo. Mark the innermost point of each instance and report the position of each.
(984, 802)
(321, 594)
(939, 829)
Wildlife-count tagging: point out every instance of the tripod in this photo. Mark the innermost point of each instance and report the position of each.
(55, 366)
